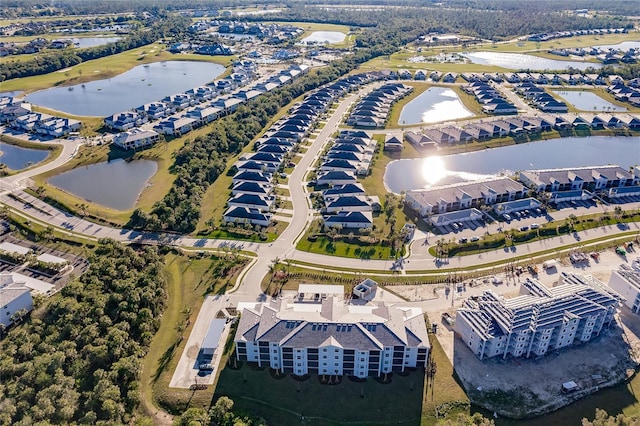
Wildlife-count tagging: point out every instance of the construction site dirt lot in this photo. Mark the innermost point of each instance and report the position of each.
(521, 388)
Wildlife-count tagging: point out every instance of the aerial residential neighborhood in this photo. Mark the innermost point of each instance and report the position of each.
(321, 213)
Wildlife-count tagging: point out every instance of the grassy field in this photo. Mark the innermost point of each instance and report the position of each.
(105, 68)
(442, 394)
(284, 400)
(189, 280)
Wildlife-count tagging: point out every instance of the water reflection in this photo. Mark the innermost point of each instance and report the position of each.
(418, 173)
(518, 61)
(587, 101)
(321, 37)
(434, 105)
(17, 158)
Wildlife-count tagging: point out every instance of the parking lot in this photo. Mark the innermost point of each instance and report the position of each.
(78, 265)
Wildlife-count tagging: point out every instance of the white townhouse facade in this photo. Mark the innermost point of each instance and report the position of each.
(600, 178)
(325, 335)
(626, 281)
(136, 138)
(546, 319)
(461, 196)
(14, 296)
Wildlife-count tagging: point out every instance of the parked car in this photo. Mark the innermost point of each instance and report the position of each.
(524, 228)
(206, 367)
(455, 226)
(507, 217)
(462, 240)
(535, 226)
(475, 238)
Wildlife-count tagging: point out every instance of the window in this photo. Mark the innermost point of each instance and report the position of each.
(299, 357)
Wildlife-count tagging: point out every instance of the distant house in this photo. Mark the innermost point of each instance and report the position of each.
(136, 139)
(253, 202)
(125, 120)
(350, 220)
(245, 215)
(336, 178)
(58, 127)
(176, 126)
(393, 143)
(15, 297)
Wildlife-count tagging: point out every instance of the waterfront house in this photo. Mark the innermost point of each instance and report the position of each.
(136, 138)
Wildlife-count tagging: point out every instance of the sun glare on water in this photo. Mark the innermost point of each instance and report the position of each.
(433, 170)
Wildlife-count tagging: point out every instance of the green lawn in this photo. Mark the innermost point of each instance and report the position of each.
(282, 401)
(189, 280)
(443, 394)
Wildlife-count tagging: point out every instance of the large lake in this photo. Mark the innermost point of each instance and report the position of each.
(18, 158)
(321, 37)
(419, 173)
(434, 105)
(587, 101)
(82, 42)
(116, 184)
(139, 85)
(518, 61)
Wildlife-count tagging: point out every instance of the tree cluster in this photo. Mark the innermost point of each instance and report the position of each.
(78, 359)
(501, 22)
(219, 415)
(50, 62)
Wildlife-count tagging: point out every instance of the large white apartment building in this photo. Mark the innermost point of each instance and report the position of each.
(317, 332)
(626, 281)
(574, 311)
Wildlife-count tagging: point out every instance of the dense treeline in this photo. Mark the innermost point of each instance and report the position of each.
(482, 23)
(203, 159)
(50, 62)
(78, 360)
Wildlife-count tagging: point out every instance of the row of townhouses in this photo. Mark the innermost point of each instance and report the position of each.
(540, 99)
(318, 332)
(373, 109)
(492, 101)
(252, 201)
(346, 205)
(519, 125)
(183, 112)
(18, 115)
(462, 201)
